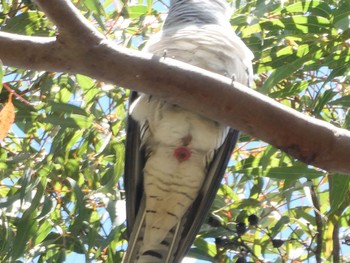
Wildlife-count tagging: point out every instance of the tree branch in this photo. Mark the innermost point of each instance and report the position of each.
(79, 48)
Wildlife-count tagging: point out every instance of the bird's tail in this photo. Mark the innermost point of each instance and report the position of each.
(140, 252)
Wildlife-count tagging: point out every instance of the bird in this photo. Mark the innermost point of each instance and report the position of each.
(175, 159)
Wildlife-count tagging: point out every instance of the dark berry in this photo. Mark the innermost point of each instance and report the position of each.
(222, 241)
(241, 260)
(277, 243)
(241, 228)
(253, 220)
(214, 221)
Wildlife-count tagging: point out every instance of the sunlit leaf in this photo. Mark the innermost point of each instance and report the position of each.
(314, 7)
(27, 23)
(304, 24)
(137, 10)
(94, 6)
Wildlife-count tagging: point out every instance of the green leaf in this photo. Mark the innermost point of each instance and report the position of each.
(80, 209)
(71, 168)
(149, 5)
(286, 173)
(302, 24)
(314, 7)
(136, 11)
(338, 71)
(85, 82)
(279, 226)
(338, 59)
(28, 23)
(94, 6)
(343, 101)
(342, 17)
(74, 121)
(91, 94)
(323, 100)
(74, 139)
(67, 108)
(203, 250)
(44, 229)
(119, 164)
(7, 235)
(27, 226)
(251, 30)
(338, 191)
(46, 208)
(282, 73)
(5, 6)
(293, 172)
(246, 203)
(293, 90)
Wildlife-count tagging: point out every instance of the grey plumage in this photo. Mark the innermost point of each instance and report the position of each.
(188, 13)
(175, 159)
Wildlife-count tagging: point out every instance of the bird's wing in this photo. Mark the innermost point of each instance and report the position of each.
(133, 174)
(180, 239)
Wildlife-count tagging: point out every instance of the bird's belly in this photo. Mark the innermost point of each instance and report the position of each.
(182, 128)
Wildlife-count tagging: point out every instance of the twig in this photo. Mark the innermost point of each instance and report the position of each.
(11, 91)
(319, 224)
(336, 244)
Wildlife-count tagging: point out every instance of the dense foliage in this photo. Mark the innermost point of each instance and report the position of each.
(61, 192)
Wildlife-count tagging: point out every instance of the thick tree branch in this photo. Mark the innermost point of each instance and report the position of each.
(79, 48)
